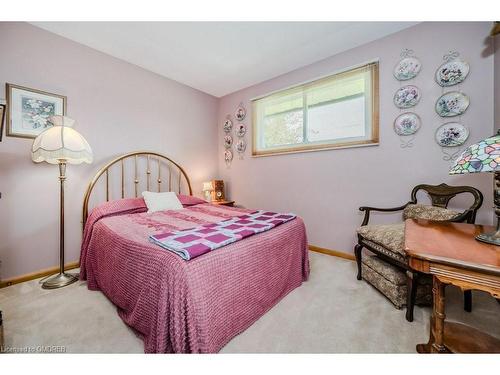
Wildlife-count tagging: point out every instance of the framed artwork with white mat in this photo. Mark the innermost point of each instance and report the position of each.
(29, 110)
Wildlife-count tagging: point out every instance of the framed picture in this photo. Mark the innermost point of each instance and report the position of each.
(2, 117)
(29, 110)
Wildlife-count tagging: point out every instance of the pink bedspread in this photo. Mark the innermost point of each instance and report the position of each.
(195, 306)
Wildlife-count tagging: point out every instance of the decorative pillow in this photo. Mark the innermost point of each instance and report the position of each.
(161, 201)
(189, 200)
(421, 211)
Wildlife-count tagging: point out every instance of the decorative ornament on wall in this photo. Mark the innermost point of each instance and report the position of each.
(407, 124)
(228, 157)
(241, 146)
(451, 135)
(452, 104)
(241, 130)
(453, 71)
(407, 96)
(408, 67)
(228, 124)
(240, 113)
(228, 141)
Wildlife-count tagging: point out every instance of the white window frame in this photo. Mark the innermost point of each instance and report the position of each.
(320, 146)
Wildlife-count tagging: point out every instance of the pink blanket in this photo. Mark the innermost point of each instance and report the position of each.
(195, 306)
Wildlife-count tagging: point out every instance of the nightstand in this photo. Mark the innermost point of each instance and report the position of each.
(223, 203)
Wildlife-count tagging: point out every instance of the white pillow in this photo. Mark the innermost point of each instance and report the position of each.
(161, 201)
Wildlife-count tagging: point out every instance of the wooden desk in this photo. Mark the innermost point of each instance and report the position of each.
(449, 252)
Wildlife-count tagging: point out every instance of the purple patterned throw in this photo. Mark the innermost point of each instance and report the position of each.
(191, 243)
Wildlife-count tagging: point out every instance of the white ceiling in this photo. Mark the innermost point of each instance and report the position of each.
(222, 57)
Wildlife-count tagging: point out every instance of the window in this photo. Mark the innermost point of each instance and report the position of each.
(337, 111)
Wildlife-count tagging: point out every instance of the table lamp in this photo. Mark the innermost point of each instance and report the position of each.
(483, 156)
(207, 189)
(61, 144)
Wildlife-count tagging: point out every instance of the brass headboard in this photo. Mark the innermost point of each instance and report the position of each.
(154, 163)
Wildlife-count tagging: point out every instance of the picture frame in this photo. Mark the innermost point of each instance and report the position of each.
(3, 109)
(29, 110)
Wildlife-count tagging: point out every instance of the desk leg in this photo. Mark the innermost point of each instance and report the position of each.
(435, 344)
(438, 316)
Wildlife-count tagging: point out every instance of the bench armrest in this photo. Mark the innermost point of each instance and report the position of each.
(367, 211)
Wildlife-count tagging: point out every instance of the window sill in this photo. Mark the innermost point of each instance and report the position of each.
(315, 149)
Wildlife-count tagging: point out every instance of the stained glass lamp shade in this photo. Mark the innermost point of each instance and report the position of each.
(483, 156)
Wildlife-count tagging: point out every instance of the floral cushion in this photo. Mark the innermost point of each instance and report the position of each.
(390, 236)
(391, 282)
(420, 211)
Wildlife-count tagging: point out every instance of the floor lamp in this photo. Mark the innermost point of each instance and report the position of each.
(61, 144)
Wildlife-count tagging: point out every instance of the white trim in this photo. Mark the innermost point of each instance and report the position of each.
(339, 71)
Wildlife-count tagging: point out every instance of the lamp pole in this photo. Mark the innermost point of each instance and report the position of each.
(62, 278)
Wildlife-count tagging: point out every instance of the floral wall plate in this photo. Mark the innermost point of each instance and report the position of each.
(451, 134)
(407, 68)
(452, 104)
(452, 72)
(228, 156)
(241, 146)
(228, 125)
(407, 124)
(228, 141)
(241, 130)
(240, 113)
(407, 96)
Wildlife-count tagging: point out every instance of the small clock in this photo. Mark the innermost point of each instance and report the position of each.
(218, 192)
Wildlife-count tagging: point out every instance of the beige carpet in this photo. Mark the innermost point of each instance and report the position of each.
(331, 313)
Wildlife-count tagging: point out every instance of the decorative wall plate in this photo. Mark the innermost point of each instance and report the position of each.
(240, 113)
(407, 68)
(407, 123)
(407, 96)
(228, 125)
(228, 141)
(452, 72)
(228, 156)
(241, 130)
(451, 134)
(452, 104)
(241, 146)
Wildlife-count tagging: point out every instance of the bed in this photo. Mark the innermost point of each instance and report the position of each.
(174, 305)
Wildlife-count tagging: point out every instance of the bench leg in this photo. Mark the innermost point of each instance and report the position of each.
(468, 300)
(411, 282)
(357, 254)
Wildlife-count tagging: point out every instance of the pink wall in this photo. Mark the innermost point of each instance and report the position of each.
(119, 108)
(327, 187)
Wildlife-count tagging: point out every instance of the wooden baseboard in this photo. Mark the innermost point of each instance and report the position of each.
(335, 253)
(36, 275)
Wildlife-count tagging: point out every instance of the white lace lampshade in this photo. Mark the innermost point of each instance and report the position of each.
(61, 143)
